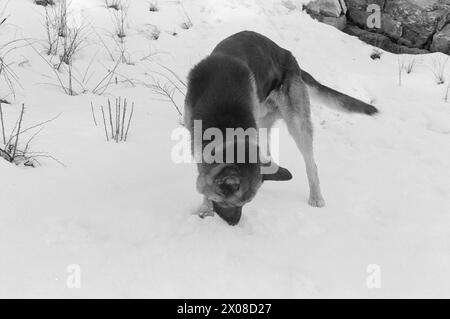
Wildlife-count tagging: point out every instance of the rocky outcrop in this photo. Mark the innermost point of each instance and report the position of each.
(420, 25)
(331, 12)
(441, 41)
(382, 41)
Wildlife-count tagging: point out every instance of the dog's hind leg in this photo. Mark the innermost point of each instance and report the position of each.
(297, 115)
(266, 123)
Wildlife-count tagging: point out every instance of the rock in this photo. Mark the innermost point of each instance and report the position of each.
(331, 12)
(391, 27)
(405, 42)
(381, 41)
(338, 23)
(327, 8)
(418, 23)
(441, 41)
(444, 20)
(343, 6)
(357, 10)
(410, 19)
(375, 39)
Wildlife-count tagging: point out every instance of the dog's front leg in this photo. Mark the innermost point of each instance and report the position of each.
(206, 208)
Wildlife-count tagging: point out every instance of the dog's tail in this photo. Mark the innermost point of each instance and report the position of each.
(333, 97)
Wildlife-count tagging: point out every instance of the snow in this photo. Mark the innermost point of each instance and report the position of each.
(125, 212)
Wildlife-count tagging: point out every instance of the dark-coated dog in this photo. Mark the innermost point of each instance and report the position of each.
(248, 81)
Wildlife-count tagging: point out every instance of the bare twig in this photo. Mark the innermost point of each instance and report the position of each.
(401, 67)
(99, 88)
(129, 121)
(12, 153)
(438, 68)
(93, 114)
(34, 126)
(104, 123)
(174, 74)
(113, 4)
(71, 44)
(31, 139)
(103, 43)
(410, 64)
(18, 131)
(51, 28)
(123, 117)
(110, 119)
(447, 92)
(120, 18)
(85, 79)
(54, 71)
(48, 156)
(167, 91)
(117, 120)
(2, 123)
(5, 155)
(187, 23)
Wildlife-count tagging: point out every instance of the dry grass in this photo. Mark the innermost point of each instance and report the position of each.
(437, 67)
(45, 3)
(447, 92)
(153, 6)
(401, 67)
(116, 120)
(8, 78)
(15, 149)
(187, 22)
(410, 64)
(168, 85)
(376, 54)
(113, 4)
(120, 19)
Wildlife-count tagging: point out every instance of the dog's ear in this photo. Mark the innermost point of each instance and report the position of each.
(282, 174)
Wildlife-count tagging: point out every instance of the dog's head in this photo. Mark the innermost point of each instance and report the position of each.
(231, 186)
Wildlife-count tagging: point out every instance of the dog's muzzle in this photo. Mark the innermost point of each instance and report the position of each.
(232, 215)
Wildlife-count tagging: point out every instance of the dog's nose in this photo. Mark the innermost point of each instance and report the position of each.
(229, 185)
(232, 215)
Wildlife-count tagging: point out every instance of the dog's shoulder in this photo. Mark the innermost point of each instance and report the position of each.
(218, 74)
(219, 90)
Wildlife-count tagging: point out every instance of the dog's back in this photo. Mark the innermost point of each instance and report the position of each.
(269, 63)
(220, 86)
(218, 93)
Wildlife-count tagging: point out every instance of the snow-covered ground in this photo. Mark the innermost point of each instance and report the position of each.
(125, 212)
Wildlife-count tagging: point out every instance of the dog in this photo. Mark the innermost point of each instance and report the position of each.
(248, 81)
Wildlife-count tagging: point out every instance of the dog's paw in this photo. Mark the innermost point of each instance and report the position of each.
(205, 211)
(316, 202)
